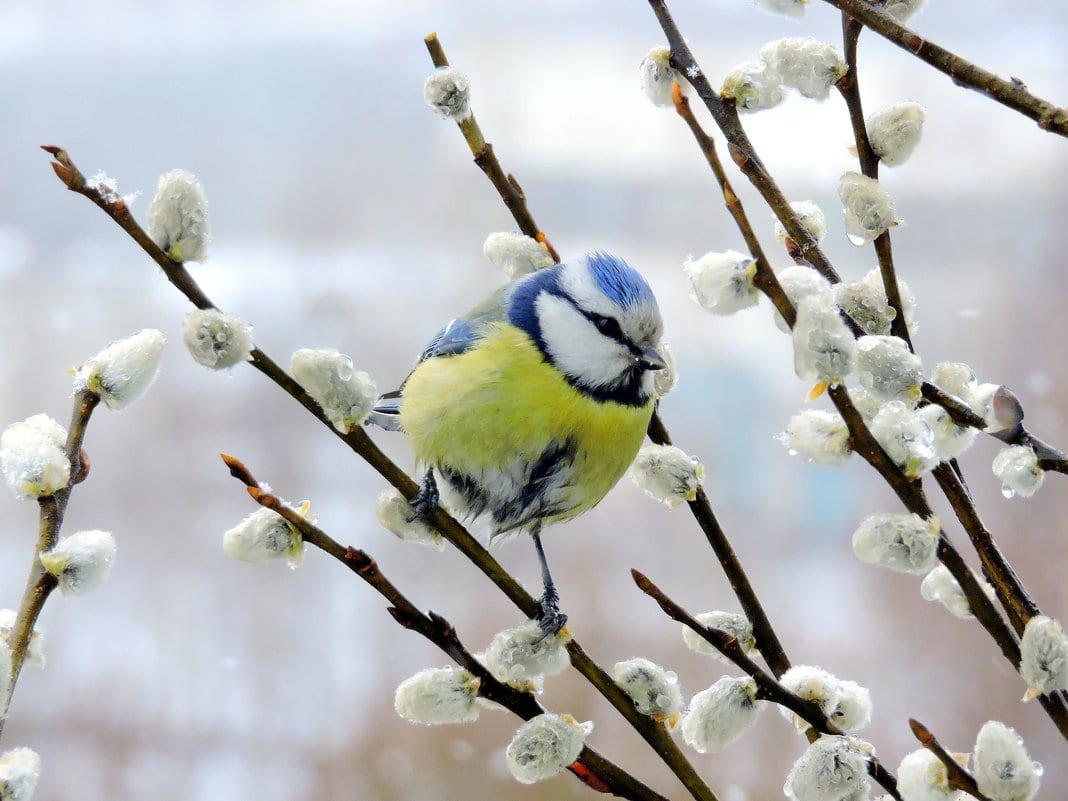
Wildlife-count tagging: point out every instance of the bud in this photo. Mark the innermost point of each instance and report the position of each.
(824, 348)
(832, 768)
(666, 379)
(217, 340)
(869, 209)
(1003, 770)
(737, 626)
(818, 436)
(902, 10)
(888, 369)
(124, 370)
(721, 714)
(81, 561)
(787, 8)
(907, 439)
(516, 255)
(266, 535)
(178, 217)
(894, 131)
(655, 691)
(1044, 656)
(397, 516)
(438, 695)
(950, 439)
(956, 378)
(923, 777)
(812, 220)
(799, 282)
(939, 585)
(345, 395)
(35, 652)
(34, 458)
(448, 93)
(865, 301)
(845, 703)
(522, 655)
(545, 746)
(723, 282)
(667, 473)
(806, 65)
(904, 543)
(1017, 467)
(751, 88)
(19, 770)
(657, 76)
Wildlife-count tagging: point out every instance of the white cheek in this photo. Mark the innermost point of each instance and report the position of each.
(576, 347)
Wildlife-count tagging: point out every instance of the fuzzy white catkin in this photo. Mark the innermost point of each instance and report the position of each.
(438, 695)
(907, 439)
(894, 131)
(737, 626)
(1003, 770)
(939, 585)
(81, 561)
(1044, 655)
(544, 746)
(888, 369)
(346, 395)
(397, 516)
(654, 690)
(516, 255)
(812, 220)
(824, 348)
(448, 93)
(658, 76)
(751, 88)
(812, 684)
(832, 768)
(523, 654)
(854, 708)
(33, 457)
(866, 403)
(20, 769)
(217, 340)
(265, 535)
(818, 436)
(667, 473)
(921, 776)
(900, 542)
(902, 10)
(720, 715)
(124, 370)
(1017, 467)
(787, 8)
(956, 378)
(723, 282)
(178, 217)
(869, 209)
(799, 282)
(666, 379)
(809, 66)
(950, 439)
(35, 652)
(865, 301)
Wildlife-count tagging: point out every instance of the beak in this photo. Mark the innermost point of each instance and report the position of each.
(650, 359)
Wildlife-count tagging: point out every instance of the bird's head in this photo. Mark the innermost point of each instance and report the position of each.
(596, 320)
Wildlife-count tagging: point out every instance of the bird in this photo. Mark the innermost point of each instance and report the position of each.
(533, 405)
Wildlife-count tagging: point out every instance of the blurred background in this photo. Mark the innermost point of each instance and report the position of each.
(345, 214)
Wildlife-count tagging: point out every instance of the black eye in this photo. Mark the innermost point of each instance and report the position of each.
(609, 327)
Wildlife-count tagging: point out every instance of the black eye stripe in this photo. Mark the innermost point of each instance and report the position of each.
(607, 326)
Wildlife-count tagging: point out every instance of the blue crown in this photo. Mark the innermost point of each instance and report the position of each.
(620, 282)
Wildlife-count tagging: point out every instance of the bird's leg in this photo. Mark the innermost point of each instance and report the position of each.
(424, 501)
(551, 619)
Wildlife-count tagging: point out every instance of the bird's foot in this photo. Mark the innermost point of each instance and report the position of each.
(424, 501)
(550, 618)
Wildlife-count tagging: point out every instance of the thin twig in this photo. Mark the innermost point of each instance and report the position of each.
(591, 767)
(849, 87)
(1012, 93)
(958, 778)
(40, 583)
(767, 687)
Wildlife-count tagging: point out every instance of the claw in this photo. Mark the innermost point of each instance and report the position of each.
(424, 501)
(550, 618)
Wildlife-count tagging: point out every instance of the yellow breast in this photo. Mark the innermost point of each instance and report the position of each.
(499, 405)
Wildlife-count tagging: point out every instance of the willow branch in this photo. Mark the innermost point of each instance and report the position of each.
(1012, 93)
(591, 767)
(958, 777)
(768, 688)
(41, 583)
(849, 87)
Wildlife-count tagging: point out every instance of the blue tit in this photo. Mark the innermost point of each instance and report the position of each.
(532, 406)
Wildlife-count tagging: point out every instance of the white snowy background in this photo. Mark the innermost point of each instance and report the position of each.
(345, 214)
